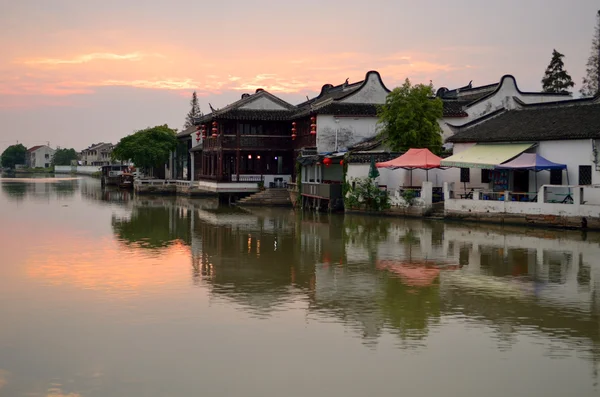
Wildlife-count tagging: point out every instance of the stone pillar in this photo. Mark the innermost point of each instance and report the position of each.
(446, 191)
(476, 194)
(427, 193)
(577, 193)
(193, 166)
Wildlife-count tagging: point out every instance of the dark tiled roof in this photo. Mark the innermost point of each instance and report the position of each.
(379, 157)
(576, 119)
(454, 108)
(246, 114)
(329, 91)
(187, 132)
(341, 109)
(233, 111)
(510, 77)
(367, 144)
(333, 93)
(468, 92)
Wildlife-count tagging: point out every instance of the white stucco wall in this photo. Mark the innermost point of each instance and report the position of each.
(263, 103)
(80, 169)
(573, 153)
(350, 130)
(371, 92)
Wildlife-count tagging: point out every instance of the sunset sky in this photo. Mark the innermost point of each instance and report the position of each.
(77, 72)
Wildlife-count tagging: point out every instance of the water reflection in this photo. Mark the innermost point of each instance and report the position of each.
(153, 224)
(281, 282)
(374, 274)
(18, 189)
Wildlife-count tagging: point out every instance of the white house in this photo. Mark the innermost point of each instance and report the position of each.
(40, 156)
(98, 154)
(565, 132)
(467, 104)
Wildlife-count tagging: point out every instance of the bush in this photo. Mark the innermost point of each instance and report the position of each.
(364, 193)
(409, 196)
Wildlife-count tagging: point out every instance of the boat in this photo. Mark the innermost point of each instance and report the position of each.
(126, 181)
(111, 174)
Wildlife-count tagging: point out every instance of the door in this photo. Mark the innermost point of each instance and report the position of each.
(521, 181)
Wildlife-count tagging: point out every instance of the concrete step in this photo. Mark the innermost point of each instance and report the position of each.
(273, 197)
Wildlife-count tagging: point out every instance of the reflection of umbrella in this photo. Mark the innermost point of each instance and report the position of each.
(373, 171)
(416, 274)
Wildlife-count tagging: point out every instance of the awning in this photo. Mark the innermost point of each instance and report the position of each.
(532, 162)
(413, 159)
(485, 155)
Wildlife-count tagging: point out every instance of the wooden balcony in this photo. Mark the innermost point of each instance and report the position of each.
(248, 142)
(328, 191)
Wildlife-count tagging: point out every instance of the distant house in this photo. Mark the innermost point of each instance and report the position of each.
(39, 156)
(98, 154)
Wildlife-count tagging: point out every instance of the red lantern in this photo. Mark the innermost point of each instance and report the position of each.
(341, 162)
(327, 161)
(313, 125)
(214, 129)
(203, 131)
(293, 130)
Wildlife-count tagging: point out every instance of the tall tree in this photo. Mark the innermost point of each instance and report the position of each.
(64, 156)
(591, 81)
(13, 155)
(556, 79)
(409, 118)
(193, 113)
(147, 148)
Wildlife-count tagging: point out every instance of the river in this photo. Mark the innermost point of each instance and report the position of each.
(106, 294)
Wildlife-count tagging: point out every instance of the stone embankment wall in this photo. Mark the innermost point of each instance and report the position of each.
(79, 169)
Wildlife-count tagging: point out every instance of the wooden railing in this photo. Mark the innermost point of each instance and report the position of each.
(256, 142)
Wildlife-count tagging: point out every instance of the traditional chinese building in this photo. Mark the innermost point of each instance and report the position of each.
(248, 141)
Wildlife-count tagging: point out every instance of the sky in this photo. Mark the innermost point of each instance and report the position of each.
(77, 72)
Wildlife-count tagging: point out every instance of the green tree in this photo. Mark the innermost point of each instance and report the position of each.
(147, 148)
(556, 79)
(591, 81)
(409, 118)
(193, 113)
(14, 155)
(64, 156)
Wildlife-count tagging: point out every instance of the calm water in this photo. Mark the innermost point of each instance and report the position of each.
(103, 294)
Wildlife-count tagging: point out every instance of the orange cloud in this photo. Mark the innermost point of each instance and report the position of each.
(180, 70)
(85, 58)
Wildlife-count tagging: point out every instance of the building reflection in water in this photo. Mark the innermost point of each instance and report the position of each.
(382, 275)
(38, 189)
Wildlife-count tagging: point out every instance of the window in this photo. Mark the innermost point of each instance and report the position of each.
(585, 174)
(485, 176)
(465, 175)
(47, 156)
(556, 177)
